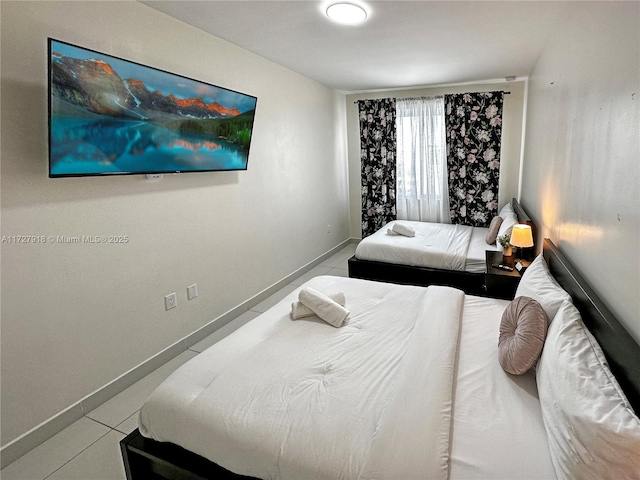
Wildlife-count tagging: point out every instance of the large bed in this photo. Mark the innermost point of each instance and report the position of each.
(410, 387)
(438, 254)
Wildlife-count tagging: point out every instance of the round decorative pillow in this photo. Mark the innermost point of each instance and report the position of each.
(494, 227)
(522, 332)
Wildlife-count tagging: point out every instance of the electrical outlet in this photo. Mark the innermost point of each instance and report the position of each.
(170, 301)
(192, 291)
(328, 228)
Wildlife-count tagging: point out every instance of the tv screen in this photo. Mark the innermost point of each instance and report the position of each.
(110, 116)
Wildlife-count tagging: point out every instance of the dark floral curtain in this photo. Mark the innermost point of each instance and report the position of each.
(378, 163)
(474, 129)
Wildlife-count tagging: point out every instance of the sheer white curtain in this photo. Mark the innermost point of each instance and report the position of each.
(422, 192)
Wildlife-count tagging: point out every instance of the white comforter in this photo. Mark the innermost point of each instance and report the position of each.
(435, 245)
(302, 399)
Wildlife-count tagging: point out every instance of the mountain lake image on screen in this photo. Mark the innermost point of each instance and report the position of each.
(110, 116)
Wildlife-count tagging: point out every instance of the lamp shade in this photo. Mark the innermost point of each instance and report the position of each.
(521, 236)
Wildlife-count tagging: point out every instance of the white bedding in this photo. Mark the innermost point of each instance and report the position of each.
(476, 258)
(304, 400)
(373, 399)
(498, 431)
(435, 245)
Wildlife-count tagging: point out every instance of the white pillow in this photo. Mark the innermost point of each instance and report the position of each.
(591, 428)
(506, 210)
(538, 283)
(507, 224)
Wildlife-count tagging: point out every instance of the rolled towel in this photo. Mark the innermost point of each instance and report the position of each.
(405, 230)
(300, 310)
(391, 232)
(325, 308)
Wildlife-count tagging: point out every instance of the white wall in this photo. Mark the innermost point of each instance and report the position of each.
(581, 179)
(511, 138)
(74, 317)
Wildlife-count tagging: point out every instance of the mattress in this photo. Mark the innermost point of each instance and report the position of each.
(435, 245)
(373, 399)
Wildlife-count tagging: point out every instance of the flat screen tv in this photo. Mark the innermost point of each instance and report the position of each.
(110, 116)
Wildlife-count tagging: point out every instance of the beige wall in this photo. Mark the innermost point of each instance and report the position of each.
(511, 138)
(75, 317)
(581, 179)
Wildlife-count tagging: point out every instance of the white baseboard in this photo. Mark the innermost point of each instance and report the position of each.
(47, 429)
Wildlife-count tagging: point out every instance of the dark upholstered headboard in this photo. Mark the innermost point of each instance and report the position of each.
(522, 215)
(620, 349)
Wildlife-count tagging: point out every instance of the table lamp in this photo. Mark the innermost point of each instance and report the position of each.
(521, 236)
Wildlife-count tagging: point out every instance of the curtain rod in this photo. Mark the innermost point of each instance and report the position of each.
(499, 91)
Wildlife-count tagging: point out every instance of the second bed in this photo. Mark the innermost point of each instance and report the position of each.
(438, 254)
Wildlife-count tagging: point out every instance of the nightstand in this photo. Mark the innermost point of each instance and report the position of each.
(500, 283)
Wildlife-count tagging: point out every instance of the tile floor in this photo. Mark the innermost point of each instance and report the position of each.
(89, 449)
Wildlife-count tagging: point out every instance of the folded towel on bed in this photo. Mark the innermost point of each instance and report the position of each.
(402, 229)
(300, 310)
(323, 306)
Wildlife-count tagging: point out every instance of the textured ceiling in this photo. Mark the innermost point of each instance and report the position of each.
(402, 43)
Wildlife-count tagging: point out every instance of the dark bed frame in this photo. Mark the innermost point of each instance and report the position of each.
(620, 349)
(146, 459)
(470, 283)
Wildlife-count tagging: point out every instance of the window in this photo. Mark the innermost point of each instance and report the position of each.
(422, 191)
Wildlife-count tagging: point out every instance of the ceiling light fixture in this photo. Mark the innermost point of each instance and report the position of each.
(346, 13)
